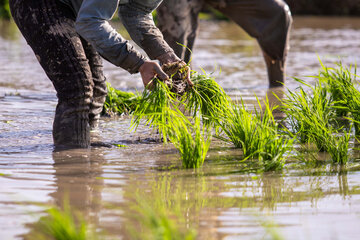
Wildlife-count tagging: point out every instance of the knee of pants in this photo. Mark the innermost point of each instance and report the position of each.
(274, 38)
(280, 8)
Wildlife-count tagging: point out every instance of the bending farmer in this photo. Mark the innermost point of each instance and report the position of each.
(266, 20)
(68, 37)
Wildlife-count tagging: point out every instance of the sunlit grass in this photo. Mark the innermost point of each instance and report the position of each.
(207, 98)
(158, 107)
(312, 115)
(308, 113)
(257, 134)
(119, 102)
(192, 142)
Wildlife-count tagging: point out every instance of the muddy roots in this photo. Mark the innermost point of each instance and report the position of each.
(179, 74)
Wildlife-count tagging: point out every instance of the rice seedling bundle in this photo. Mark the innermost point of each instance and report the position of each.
(258, 135)
(119, 102)
(193, 143)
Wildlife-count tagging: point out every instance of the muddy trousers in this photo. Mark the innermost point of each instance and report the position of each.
(268, 21)
(71, 63)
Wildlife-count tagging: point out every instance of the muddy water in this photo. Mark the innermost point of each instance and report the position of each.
(224, 200)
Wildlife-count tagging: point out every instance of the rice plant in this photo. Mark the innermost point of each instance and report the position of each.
(206, 97)
(339, 83)
(159, 107)
(311, 117)
(353, 106)
(308, 113)
(338, 148)
(257, 135)
(119, 102)
(192, 142)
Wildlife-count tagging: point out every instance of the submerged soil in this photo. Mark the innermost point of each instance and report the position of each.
(226, 199)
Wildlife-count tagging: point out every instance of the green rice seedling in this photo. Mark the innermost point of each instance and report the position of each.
(61, 225)
(159, 107)
(337, 147)
(192, 142)
(308, 113)
(274, 145)
(353, 106)
(338, 82)
(312, 118)
(119, 102)
(258, 136)
(206, 97)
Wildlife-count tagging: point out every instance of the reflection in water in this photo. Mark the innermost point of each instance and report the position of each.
(78, 178)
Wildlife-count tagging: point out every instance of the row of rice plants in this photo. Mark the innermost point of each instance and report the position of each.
(314, 116)
(207, 100)
(257, 134)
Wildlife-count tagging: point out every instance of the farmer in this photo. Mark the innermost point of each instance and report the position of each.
(266, 20)
(68, 37)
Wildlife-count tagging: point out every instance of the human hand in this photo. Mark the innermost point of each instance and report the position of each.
(149, 70)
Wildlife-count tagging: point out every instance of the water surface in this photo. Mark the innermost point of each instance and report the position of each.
(222, 200)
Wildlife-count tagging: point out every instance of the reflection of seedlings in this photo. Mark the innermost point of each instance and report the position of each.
(158, 222)
(6, 121)
(61, 225)
(272, 229)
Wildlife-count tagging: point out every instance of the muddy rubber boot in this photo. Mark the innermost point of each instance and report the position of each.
(71, 126)
(276, 71)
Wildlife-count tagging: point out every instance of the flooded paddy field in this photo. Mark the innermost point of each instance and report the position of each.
(224, 199)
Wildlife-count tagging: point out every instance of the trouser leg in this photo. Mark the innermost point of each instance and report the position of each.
(50, 32)
(99, 89)
(178, 21)
(269, 22)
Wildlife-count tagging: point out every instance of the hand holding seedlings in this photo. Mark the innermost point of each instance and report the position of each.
(150, 70)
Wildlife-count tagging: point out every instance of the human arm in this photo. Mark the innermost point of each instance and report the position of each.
(92, 24)
(137, 19)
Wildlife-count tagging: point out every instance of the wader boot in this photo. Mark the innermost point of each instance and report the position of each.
(268, 21)
(71, 64)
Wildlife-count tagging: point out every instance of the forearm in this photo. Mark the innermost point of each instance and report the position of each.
(138, 21)
(93, 26)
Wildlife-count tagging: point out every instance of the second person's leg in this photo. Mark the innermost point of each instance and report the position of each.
(178, 21)
(269, 22)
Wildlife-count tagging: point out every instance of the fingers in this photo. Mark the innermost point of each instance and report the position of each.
(160, 73)
(191, 84)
